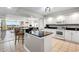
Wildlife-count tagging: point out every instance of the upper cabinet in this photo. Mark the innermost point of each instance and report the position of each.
(74, 18)
(50, 20)
(60, 19)
(67, 20)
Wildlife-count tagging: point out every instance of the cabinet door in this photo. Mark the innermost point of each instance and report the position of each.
(75, 19)
(33, 43)
(48, 40)
(75, 36)
(67, 20)
(68, 35)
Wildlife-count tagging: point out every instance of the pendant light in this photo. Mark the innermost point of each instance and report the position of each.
(47, 11)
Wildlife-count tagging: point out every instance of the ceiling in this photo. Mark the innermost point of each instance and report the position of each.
(30, 11)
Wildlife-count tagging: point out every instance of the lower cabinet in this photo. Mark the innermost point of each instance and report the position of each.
(72, 36)
(48, 43)
(75, 36)
(68, 35)
(33, 43)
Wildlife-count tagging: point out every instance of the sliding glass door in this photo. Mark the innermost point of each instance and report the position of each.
(2, 28)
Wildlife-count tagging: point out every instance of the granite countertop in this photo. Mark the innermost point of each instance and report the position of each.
(40, 33)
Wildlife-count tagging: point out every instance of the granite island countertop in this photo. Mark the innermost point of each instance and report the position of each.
(39, 33)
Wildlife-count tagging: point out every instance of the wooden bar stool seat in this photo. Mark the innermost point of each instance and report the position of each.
(19, 34)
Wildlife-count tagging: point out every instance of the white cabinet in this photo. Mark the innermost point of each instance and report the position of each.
(33, 43)
(71, 20)
(67, 20)
(75, 20)
(68, 35)
(75, 36)
(50, 21)
(72, 36)
(48, 43)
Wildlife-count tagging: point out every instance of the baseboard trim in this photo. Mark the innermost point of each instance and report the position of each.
(26, 49)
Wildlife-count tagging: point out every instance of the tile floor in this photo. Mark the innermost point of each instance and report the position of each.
(11, 47)
(8, 44)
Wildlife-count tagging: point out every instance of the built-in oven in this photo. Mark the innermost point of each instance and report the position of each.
(60, 32)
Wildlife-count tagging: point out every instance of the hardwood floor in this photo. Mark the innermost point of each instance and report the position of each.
(8, 45)
(64, 46)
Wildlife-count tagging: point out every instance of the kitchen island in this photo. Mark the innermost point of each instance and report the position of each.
(37, 41)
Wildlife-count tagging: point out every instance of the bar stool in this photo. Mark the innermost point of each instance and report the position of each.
(18, 35)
